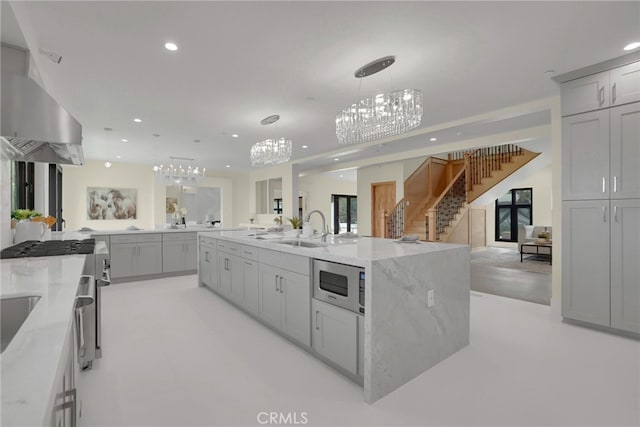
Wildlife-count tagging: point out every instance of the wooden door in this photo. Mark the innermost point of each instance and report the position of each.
(383, 200)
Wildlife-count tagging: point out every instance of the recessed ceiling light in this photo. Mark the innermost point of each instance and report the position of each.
(433, 139)
(459, 133)
(336, 159)
(124, 140)
(107, 164)
(196, 140)
(632, 46)
(341, 176)
(118, 157)
(171, 46)
(228, 166)
(137, 120)
(305, 146)
(235, 135)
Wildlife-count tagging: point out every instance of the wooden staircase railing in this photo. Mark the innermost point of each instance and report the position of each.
(395, 221)
(481, 162)
(446, 206)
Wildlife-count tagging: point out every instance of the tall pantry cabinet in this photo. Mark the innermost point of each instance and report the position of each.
(601, 198)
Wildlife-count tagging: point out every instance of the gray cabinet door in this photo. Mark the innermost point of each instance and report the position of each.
(296, 310)
(625, 267)
(235, 264)
(190, 255)
(225, 274)
(149, 260)
(173, 256)
(122, 258)
(335, 335)
(251, 292)
(585, 261)
(625, 151)
(270, 298)
(585, 94)
(204, 266)
(585, 156)
(625, 84)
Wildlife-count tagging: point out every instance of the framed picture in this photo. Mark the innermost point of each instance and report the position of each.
(111, 203)
(172, 202)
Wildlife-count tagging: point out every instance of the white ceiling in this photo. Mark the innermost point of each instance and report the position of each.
(239, 62)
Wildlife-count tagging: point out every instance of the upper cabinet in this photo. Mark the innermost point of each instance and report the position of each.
(610, 88)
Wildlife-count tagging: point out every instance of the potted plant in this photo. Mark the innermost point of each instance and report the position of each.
(296, 223)
(19, 215)
(543, 236)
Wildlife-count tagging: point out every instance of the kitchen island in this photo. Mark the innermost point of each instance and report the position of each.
(416, 298)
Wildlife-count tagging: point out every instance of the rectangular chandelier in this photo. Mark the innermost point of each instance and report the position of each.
(380, 116)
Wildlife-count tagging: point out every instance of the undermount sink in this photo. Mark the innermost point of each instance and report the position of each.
(303, 243)
(13, 313)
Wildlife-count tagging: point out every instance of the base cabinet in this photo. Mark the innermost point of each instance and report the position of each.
(66, 401)
(179, 252)
(335, 335)
(606, 292)
(135, 255)
(208, 265)
(285, 302)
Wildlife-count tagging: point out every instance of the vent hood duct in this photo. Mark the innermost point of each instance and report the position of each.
(36, 127)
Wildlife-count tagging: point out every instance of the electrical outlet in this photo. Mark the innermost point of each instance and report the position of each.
(431, 298)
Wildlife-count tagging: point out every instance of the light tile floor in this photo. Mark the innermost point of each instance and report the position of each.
(176, 354)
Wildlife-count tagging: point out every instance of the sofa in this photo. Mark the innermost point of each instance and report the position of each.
(529, 234)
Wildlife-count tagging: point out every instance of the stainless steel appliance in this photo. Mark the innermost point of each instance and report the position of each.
(98, 267)
(339, 284)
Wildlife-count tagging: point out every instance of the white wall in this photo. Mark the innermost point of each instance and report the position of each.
(151, 197)
(317, 190)
(284, 171)
(542, 202)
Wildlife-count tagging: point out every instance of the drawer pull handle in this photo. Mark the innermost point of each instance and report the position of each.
(613, 94)
(317, 322)
(604, 213)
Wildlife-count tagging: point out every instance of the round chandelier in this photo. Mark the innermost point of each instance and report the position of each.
(380, 116)
(270, 152)
(179, 171)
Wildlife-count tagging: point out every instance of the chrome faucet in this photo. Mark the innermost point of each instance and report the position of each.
(325, 230)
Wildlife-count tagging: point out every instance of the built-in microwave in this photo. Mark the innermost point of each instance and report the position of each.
(339, 284)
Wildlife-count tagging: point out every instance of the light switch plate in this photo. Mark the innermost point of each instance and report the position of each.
(431, 298)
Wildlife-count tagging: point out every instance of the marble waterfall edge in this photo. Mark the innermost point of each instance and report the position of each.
(404, 337)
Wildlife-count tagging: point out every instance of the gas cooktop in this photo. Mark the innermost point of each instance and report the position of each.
(35, 248)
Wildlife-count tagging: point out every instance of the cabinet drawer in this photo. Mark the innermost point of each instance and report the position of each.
(286, 261)
(249, 252)
(124, 238)
(229, 247)
(208, 241)
(179, 236)
(150, 237)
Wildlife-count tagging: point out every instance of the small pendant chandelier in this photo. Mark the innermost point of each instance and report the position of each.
(380, 116)
(270, 152)
(179, 171)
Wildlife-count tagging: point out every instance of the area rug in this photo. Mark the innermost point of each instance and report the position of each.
(507, 258)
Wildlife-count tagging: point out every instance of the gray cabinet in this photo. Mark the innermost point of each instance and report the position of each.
(335, 335)
(585, 156)
(585, 94)
(601, 243)
(178, 252)
(66, 399)
(625, 151)
(208, 264)
(224, 274)
(625, 266)
(250, 285)
(585, 261)
(285, 301)
(607, 89)
(136, 255)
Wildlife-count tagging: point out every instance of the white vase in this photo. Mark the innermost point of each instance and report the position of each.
(27, 230)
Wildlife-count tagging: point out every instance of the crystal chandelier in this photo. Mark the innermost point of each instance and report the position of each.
(270, 152)
(381, 116)
(179, 171)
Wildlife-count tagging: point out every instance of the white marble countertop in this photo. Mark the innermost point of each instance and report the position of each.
(344, 250)
(33, 359)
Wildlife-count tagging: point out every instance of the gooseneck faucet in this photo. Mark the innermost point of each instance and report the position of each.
(325, 230)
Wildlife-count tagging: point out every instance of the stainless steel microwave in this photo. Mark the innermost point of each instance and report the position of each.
(339, 284)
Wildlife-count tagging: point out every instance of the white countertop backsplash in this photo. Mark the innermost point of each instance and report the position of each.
(33, 359)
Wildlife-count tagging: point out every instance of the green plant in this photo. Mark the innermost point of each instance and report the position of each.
(296, 222)
(20, 214)
(543, 235)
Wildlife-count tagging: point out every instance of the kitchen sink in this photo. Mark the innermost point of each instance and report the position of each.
(303, 243)
(13, 313)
